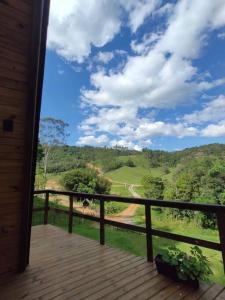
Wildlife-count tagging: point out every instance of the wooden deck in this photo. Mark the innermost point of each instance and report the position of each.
(69, 266)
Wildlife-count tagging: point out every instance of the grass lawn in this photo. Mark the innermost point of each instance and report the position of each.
(132, 175)
(120, 190)
(127, 174)
(140, 191)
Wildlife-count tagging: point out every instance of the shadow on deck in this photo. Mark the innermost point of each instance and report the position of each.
(69, 266)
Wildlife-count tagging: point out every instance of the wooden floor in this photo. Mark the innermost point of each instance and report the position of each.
(68, 266)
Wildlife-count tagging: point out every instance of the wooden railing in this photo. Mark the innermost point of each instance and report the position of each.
(218, 210)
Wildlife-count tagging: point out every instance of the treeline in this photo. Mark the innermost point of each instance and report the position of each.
(157, 158)
(65, 158)
(200, 180)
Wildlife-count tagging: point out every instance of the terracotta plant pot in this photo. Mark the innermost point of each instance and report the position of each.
(171, 272)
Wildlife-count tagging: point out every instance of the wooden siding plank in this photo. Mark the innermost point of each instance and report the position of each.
(20, 6)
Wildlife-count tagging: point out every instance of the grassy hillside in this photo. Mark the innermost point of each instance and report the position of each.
(132, 175)
(114, 163)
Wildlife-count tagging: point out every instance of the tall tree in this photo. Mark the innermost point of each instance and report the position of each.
(52, 134)
(153, 187)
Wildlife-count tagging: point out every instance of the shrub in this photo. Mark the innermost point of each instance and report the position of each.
(87, 181)
(110, 165)
(130, 163)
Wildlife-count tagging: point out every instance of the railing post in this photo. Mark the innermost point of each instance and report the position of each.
(221, 229)
(102, 223)
(148, 224)
(46, 208)
(70, 224)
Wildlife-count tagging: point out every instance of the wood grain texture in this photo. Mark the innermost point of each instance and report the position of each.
(20, 40)
(69, 266)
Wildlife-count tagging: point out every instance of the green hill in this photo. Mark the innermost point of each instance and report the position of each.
(131, 175)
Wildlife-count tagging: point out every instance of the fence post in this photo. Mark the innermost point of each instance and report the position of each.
(221, 228)
(102, 223)
(46, 208)
(70, 224)
(148, 224)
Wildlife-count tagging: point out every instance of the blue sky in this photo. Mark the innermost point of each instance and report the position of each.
(137, 73)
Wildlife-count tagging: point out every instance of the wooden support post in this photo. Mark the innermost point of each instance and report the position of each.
(70, 224)
(221, 229)
(102, 223)
(148, 224)
(46, 208)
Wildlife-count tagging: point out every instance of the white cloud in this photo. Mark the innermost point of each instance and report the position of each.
(104, 57)
(213, 111)
(147, 42)
(92, 140)
(164, 76)
(75, 26)
(139, 10)
(150, 129)
(221, 35)
(161, 74)
(214, 130)
(189, 23)
(126, 144)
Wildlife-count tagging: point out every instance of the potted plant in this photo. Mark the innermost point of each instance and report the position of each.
(180, 266)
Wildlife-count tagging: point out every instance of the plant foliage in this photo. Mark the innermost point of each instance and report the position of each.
(86, 180)
(194, 266)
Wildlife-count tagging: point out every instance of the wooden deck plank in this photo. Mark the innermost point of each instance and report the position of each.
(69, 266)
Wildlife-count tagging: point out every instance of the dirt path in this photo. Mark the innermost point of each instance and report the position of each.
(133, 192)
(126, 216)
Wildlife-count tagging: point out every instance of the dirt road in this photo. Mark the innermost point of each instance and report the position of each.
(126, 216)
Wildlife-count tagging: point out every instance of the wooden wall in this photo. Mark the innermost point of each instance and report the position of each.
(22, 41)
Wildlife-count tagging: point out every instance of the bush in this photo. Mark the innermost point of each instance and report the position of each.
(208, 220)
(85, 180)
(64, 165)
(113, 164)
(114, 207)
(130, 163)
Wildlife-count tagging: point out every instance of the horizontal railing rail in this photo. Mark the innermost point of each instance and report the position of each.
(219, 210)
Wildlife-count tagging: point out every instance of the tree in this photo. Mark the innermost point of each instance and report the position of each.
(86, 180)
(52, 134)
(130, 163)
(153, 186)
(40, 153)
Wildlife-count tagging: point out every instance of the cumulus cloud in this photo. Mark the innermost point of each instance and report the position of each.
(147, 41)
(160, 75)
(92, 140)
(150, 129)
(130, 145)
(104, 57)
(75, 26)
(213, 111)
(214, 130)
(139, 10)
(165, 76)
